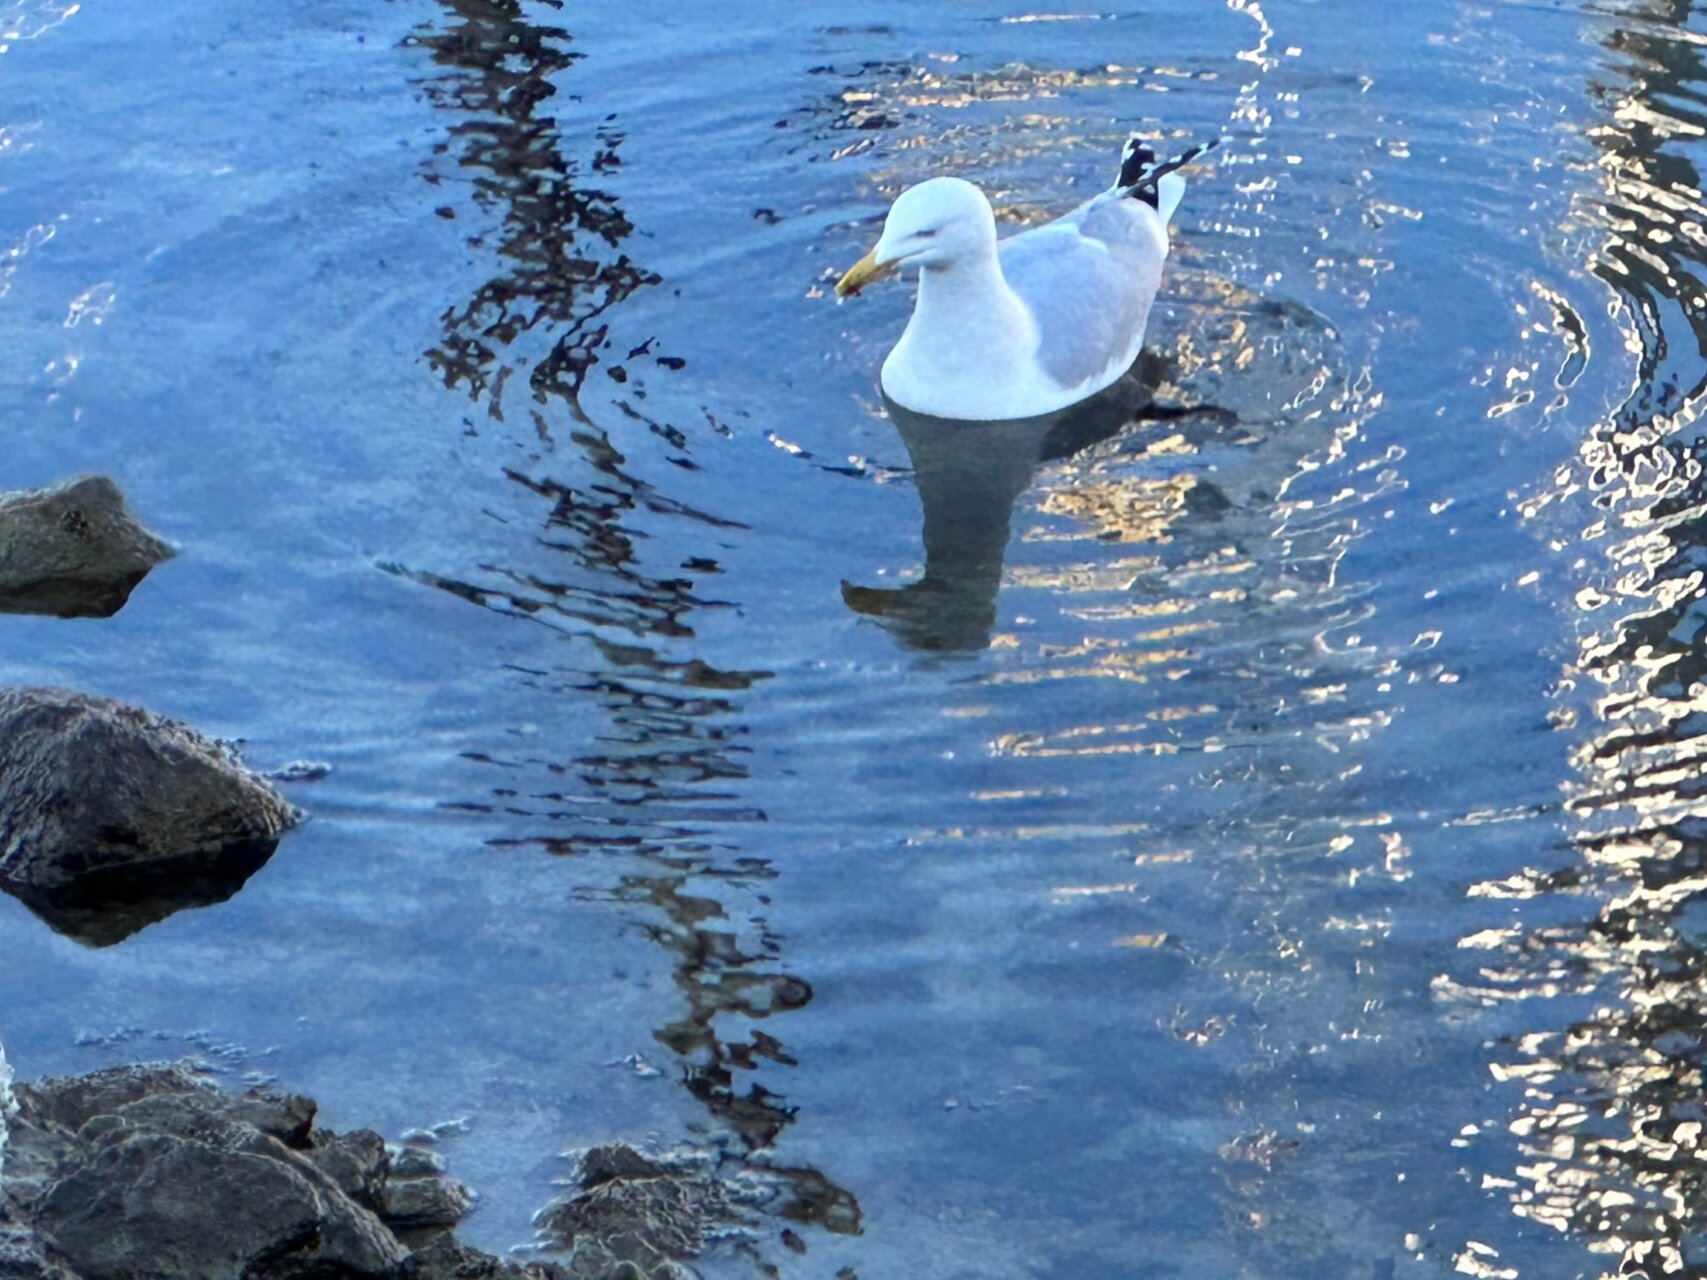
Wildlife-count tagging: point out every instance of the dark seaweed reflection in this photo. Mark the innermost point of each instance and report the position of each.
(662, 778)
(1613, 1125)
(499, 69)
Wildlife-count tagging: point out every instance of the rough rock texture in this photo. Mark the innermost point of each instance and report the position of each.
(152, 1173)
(141, 1173)
(356, 1162)
(25, 1256)
(73, 551)
(632, 1217)
(112, 818)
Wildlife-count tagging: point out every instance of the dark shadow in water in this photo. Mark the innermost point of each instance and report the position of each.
(1612, 1131)
(108, 908)
(968, 475)
(660, 782)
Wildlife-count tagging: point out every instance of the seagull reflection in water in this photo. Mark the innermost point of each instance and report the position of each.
(968, 475)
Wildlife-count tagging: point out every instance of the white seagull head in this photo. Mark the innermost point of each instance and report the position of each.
(935, 224)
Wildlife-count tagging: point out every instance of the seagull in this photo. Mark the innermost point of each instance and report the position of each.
(1036, 322)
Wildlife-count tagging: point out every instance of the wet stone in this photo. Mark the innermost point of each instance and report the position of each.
(143, 1172)
(212, 1206)
(446, 1258)
(632, 1211)
(615, 1160)
(433, 1201)
(112, 818)
(416, 1162)
(72, 551)
(355, 1162)
(153, 1173)
(24, 1256)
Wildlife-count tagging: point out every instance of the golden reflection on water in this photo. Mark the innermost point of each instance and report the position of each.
(1174, 604)
(1188, 551)
(1206, 495)
(1609, 1108)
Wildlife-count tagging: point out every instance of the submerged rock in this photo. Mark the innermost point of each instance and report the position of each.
(112, 818)
(633, 1218)
(72, 551)
(153, 1173)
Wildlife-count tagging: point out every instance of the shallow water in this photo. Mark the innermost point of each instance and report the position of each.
(1269, 845)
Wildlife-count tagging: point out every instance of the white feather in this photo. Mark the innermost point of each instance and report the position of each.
(1031, 324)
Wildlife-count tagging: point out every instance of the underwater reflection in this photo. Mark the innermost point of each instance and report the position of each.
(126, 906)
(968, 476)
(723, 978)
(643, 797)
(558, 230)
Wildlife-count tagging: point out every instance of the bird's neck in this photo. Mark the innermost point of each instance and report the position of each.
(967, 307)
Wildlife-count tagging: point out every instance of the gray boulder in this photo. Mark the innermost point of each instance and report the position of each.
(153, 1173)
(447, 1258)
(72, 551)
(409, 1204)
(112, 817)
(356, 1162)
(226, 1202)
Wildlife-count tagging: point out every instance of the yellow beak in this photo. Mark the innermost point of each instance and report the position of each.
(863, 273)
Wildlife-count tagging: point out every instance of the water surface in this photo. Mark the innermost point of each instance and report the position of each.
(1268, 844)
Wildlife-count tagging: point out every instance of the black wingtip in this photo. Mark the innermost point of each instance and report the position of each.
(1139, 170)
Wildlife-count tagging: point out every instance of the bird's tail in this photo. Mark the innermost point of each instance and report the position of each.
(1156, 184)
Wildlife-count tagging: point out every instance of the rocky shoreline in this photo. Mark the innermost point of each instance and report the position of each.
(153, 1172)
(111, 819)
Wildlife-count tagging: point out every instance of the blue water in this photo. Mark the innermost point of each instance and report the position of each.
(1285, 865)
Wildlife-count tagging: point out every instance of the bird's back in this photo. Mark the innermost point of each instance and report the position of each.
(1089, 279)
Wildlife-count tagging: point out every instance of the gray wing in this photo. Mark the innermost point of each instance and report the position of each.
(1089, 279)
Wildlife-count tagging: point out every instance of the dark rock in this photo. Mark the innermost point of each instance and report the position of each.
(416, 1162)
(112, 818)
(615, 1160)
(289, 1117)
(446, 1258)
(150, 1205)
(24, 1256)
(74, 1101)
(356, 1162)
(153, 1173)
(174, 1100)
(408, 1204)
(630, 1210)
(73, 551)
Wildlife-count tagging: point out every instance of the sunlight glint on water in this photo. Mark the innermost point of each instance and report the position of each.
(1132, 849)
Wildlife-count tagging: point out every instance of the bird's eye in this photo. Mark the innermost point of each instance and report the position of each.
(926, 235)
